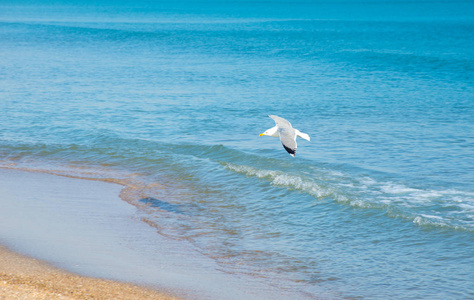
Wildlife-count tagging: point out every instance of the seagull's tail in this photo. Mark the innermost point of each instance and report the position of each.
(302, 135)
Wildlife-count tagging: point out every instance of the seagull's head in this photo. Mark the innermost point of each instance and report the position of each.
(271, 132)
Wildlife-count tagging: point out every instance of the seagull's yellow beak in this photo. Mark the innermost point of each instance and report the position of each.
(261, 134)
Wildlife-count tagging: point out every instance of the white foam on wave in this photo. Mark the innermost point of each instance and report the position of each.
(391, 192)
(449, 208)
(425, 207)
(393, 188)
(317, 187)
(435, 221)
(281, 179)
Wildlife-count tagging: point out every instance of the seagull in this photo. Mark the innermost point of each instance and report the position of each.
(287, 134)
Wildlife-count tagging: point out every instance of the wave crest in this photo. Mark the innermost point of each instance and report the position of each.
(397, 200)
(281, 179)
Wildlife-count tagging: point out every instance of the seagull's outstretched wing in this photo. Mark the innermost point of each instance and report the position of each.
(280, 122)
(288, 140)
(287, 134)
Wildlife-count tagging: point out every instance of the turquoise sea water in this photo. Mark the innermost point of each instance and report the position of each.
(170, 96)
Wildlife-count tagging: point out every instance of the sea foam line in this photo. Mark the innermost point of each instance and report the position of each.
(281, 179)
(420, 206)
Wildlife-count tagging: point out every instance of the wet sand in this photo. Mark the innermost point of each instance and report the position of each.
(70, 223)
(22, 277)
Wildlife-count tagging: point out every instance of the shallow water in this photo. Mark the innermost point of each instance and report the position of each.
(83, 227)
(170, 98)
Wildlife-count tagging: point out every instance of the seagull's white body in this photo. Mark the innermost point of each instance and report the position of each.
(286, 133)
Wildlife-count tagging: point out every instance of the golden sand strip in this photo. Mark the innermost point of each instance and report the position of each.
(26, 278)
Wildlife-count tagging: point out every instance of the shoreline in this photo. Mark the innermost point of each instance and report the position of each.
(26, 273)
(84, 228)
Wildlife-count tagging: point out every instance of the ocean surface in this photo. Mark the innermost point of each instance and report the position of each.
(169, 97)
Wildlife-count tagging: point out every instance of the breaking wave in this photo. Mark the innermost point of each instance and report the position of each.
(450, 208)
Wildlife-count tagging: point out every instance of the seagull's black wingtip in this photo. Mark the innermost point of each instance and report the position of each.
(289, 150)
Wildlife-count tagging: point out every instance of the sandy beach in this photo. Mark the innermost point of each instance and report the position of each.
(22, 277)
